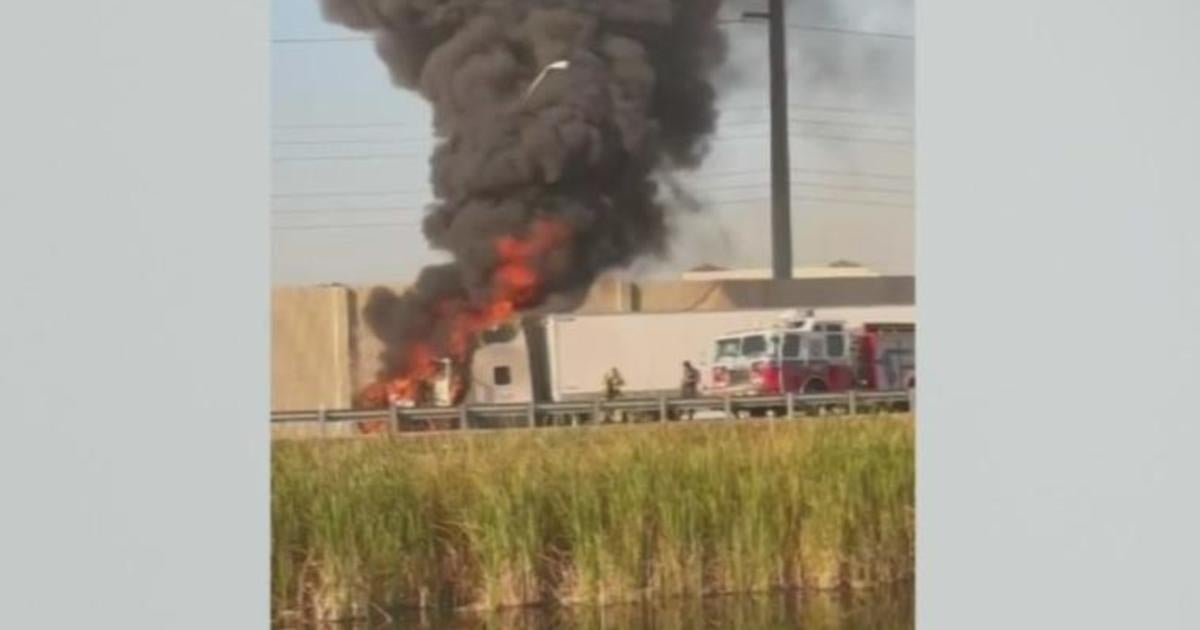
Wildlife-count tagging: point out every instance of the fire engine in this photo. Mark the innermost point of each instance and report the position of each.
(803, 354)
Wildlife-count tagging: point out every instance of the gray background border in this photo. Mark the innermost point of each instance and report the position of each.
(1057, 253)
(1057, 259)
(134, 317)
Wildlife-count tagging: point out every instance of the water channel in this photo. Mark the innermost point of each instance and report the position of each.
(887, 609)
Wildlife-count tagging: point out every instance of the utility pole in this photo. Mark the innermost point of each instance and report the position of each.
(781, 185)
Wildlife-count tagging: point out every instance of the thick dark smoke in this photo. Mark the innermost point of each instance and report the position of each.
(580, 151)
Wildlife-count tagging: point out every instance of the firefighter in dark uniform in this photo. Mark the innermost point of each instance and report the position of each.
(691, 385)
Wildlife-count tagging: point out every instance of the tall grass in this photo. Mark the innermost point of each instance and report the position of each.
(598, 515)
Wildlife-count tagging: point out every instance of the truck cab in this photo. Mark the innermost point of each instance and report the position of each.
(807, 356)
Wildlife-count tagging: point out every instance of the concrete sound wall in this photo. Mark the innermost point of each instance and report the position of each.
(310, 362)
(674, 296)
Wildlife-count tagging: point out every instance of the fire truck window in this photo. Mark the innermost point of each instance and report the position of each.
(791, 346)
(728, 348)
(502, 375)
(816, 348)
(754, 346)
(835, 345)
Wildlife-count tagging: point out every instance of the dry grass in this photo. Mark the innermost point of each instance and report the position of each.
(597, 515)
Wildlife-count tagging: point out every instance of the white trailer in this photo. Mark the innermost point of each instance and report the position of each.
(566, 356)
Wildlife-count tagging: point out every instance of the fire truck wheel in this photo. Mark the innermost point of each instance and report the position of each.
(815, 386)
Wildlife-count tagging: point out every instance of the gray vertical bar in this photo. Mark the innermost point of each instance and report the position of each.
(781, 199)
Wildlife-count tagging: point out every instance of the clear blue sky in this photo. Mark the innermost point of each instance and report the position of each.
(355, 218)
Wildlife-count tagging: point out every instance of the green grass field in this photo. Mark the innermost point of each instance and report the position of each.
(596, 515)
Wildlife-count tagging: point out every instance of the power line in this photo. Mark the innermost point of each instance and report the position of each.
(706, 176)
(739, 138)
(814, 171)
(853, 173)
(898, 191)
(735, 124)
(763, 200)
(753, 135)
(729, 108)
(798, 27)
(754, 185)
(821, 123)
(431, 138)
(729, 137)
(848, 31)
(713, 202)
(823, 29)
(821, 108)
(698, 189)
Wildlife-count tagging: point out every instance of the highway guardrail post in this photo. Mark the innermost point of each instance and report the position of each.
(791, 405)
(852, 402)
(728, 408)
(662, 408)
(464, 417)
(532, 417)
(322, 418)
(394, 416)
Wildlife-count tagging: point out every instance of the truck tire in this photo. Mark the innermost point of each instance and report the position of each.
(814, 386)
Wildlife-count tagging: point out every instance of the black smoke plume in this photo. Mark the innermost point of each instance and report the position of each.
(581, 150)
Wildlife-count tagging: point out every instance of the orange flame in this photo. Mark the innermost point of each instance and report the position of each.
(515, 284)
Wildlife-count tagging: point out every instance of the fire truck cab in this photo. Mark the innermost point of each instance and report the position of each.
(800, 354)
(803, 354)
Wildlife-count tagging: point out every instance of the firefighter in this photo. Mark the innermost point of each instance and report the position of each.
(612, 389)
(690, 388)
(691, 381)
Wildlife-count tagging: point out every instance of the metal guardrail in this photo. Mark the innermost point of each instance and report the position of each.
(471, 416)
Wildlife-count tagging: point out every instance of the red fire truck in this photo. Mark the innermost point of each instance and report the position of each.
(803, 354)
